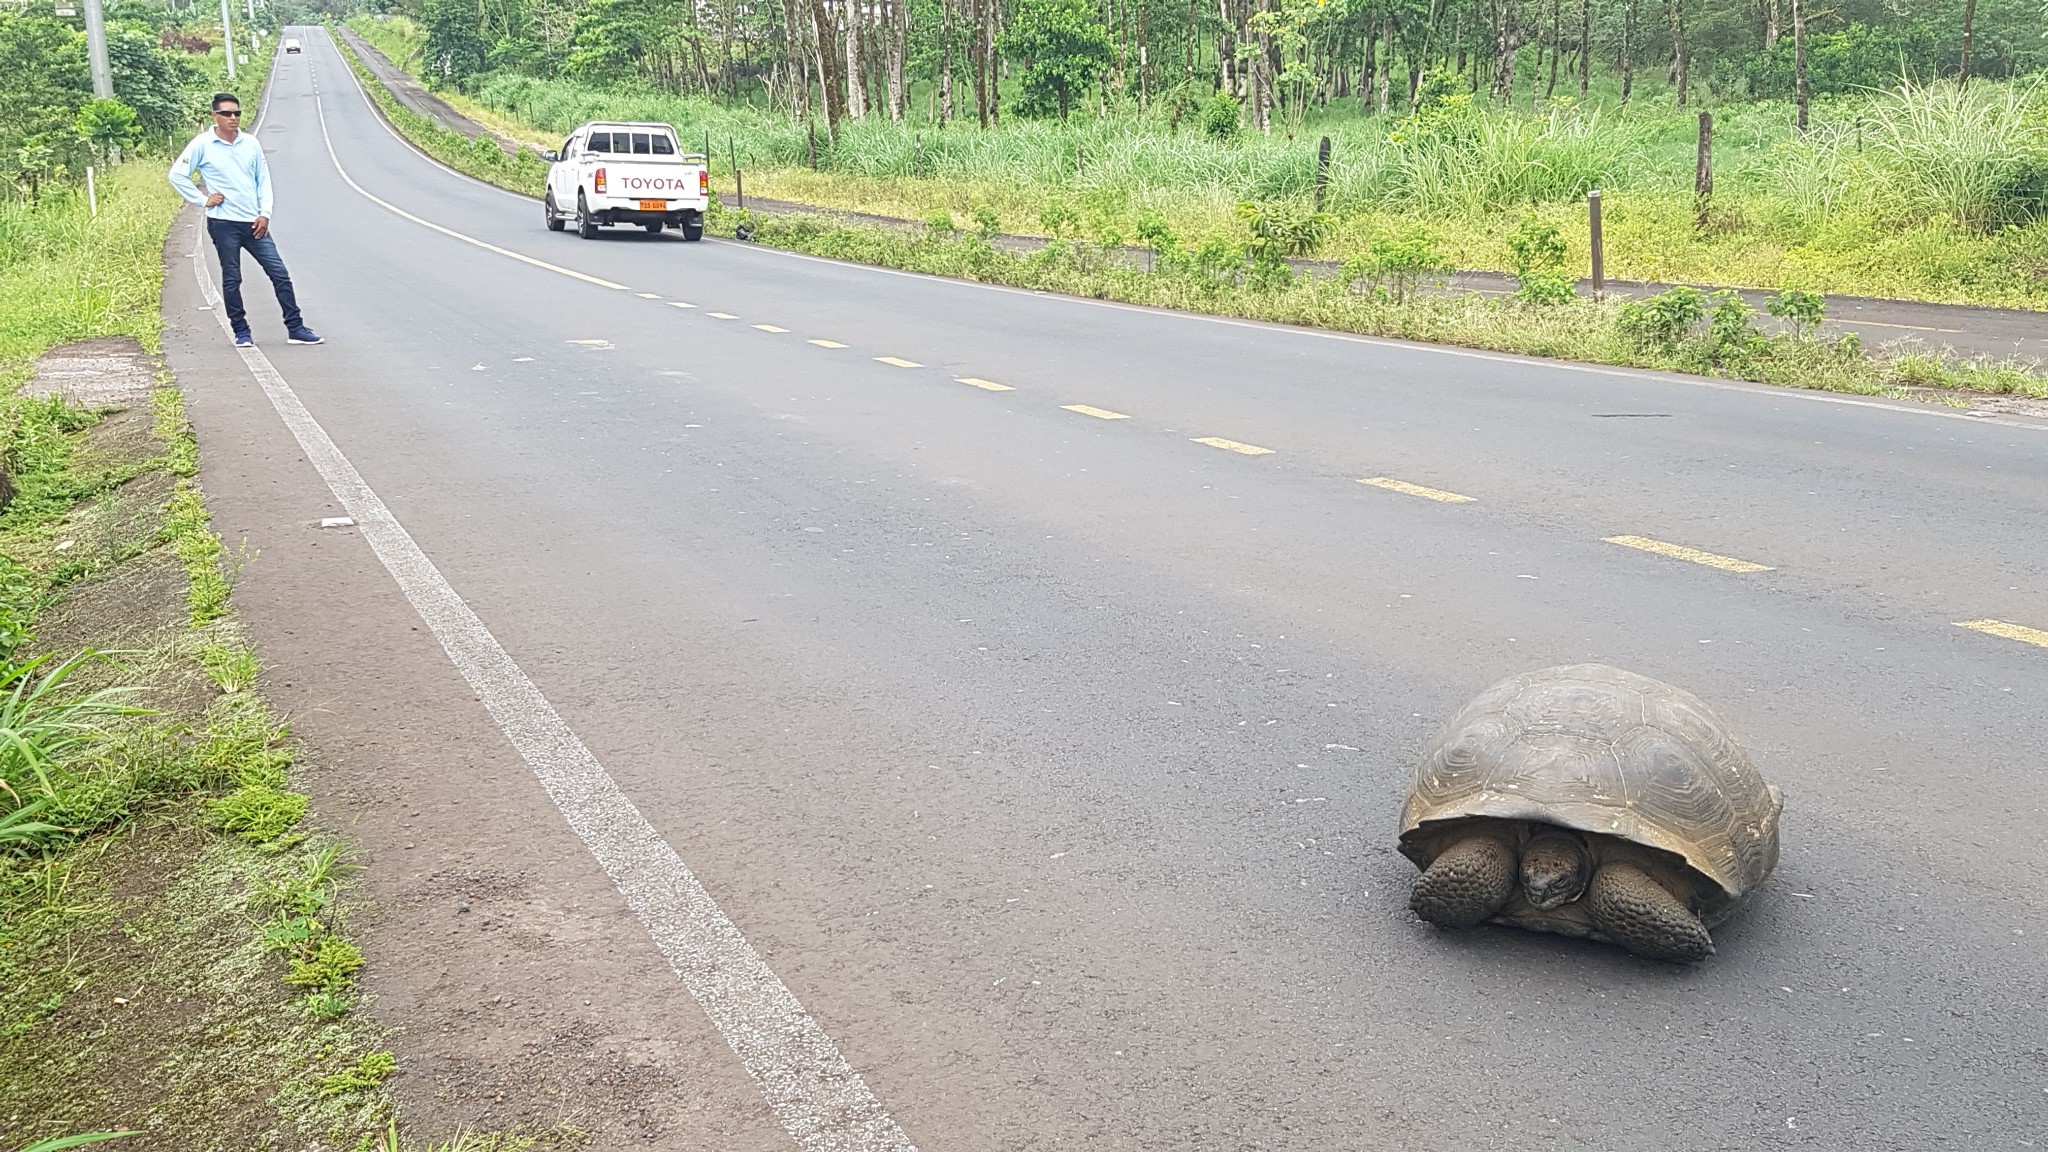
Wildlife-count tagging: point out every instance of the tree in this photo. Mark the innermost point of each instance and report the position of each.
(107, 126)
(1063, 51)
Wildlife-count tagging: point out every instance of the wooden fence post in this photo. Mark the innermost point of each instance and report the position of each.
(1599, 253)
(1322, 171)
(1703, 173)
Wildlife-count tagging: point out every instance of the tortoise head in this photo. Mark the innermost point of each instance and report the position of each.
(1556, 867)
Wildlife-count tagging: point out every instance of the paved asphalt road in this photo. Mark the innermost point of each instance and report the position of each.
(1053, 759)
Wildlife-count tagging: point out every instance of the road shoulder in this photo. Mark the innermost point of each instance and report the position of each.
(523, 992)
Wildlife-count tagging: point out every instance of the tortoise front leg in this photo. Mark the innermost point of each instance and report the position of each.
(1467, 883)
(1641, 915)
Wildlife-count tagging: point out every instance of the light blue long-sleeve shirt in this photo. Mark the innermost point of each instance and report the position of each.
(237, 171)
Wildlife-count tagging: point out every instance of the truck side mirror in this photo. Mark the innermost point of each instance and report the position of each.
(550, 155)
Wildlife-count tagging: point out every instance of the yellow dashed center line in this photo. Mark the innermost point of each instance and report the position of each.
(648, 295)
(680, 304)
(1233, 446)
(985, 385)
(1402, 486)
(2004, 631)
(721, 315)
(1098, 413)
(828, 343)
(1681, 552)
(899, 362)
(770, 328)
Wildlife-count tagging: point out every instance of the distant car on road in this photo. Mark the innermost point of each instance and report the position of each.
(291, 47)
(626, 173)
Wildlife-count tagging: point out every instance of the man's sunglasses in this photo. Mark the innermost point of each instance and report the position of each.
(227, 111)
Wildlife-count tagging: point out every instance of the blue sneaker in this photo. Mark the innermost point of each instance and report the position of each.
(244, 340)
(304, 335)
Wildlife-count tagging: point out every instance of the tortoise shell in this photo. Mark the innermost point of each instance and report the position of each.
(1603, 750)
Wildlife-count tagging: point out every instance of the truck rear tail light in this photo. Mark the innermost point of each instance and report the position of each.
(598, 179)
(704, 181)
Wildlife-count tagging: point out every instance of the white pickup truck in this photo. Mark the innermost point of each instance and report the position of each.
(620, 173)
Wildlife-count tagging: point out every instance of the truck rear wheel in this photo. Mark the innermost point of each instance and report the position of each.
(586, 227)
(693, 228)
(554, 218)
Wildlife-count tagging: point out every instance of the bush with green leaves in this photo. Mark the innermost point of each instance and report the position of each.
(1395, 266)
(1222, 116)
(1537, 251)
(1801, 312)
(1280, 229)
(1663, 320)
(1731, 330)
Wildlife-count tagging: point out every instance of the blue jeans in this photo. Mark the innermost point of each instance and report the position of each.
(230, 238)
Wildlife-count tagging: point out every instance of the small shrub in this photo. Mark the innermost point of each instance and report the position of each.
(324, 1005)
(1801, 312)
(368, 1072)
(331, 966)
(1222, 116)
(1546, 287)
(1058, 219)
(259, 813)
(1395, 266)
(1536, 247)
(939, 222)
(1280, 229)
(1664, 319)
(1731, 333)
(986, 224)
(1155, 233)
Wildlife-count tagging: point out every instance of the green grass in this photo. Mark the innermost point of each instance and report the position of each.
(1926, 192)
(1583, 329)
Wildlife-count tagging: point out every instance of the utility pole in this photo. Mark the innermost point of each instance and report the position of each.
(96, 51)
(227, 38)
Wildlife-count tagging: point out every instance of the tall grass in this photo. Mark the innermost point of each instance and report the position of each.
(65, 275)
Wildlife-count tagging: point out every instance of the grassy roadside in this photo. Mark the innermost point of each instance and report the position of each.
(175, 954)
(1922, 192)
(1375, 295)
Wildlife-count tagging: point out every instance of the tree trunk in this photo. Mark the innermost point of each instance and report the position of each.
(1771, 29)
(899, 50)
(1799, 60)
(1680, 62)
(1585, 46)
(1556, 43)
(1506, 33)
(1144, 57)
(994, 10)
(827, 56)
(1386, 72)
(1969, 29)
(1628, 55)
(1369, 77)
(980, 50)
(793, 49)
(945, 80)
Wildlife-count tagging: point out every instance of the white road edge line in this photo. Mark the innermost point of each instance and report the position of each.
(821, 1101)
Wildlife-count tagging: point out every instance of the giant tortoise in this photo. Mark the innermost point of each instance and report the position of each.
(1589, 801)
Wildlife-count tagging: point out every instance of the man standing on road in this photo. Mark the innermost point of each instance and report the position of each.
(229, 163)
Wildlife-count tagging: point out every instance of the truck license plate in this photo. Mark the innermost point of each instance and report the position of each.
(654, 205)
